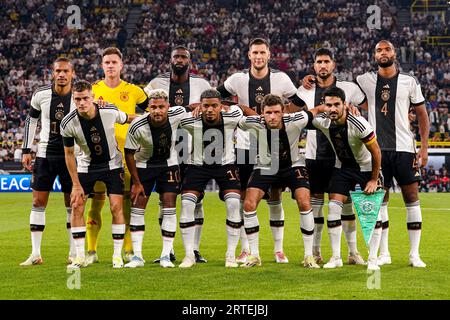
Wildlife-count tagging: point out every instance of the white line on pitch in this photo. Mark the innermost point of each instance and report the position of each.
(438, 209)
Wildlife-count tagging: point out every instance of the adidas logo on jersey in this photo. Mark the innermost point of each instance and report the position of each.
(386, 86)
(179, 91)
(93, 129)
(259, 88)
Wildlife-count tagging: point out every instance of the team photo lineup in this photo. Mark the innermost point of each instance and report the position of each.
(261, 139)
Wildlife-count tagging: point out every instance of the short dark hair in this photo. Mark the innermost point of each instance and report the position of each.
(210, 94)
(63, 59)
(323, 52)
(112, 50)
(81, 85)
(271, 100)
(256, 41)
(334, 92)
(180, 47)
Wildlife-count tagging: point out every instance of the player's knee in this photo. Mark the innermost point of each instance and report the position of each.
(410, 194)
(39, 203)
(116, 208)
(304, 204)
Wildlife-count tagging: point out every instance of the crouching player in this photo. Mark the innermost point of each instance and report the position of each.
(92, 128)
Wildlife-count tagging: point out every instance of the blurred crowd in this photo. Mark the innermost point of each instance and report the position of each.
(34, 32)
(435, 180)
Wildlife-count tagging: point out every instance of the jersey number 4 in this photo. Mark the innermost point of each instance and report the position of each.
(384, 109)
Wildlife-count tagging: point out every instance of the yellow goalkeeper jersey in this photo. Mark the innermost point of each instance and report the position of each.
(126, 97)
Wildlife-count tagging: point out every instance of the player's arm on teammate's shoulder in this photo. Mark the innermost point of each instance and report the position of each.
(137, 188)
(308, 82)
(195, 108)
(352, 109)
(371, 144)
(224, 92)
(424, 131)
(246, 110)
(296, 104)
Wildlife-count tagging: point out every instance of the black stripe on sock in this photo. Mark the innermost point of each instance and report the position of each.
(251, 230)
(334, 223)
(378, 224)
(277, 223)
(235, 225)
(68, 225)
(414, 225)
(118, 236)
(137, 228)
(242, 222)
(319, 220)
(307, 232)
(167, 234)
(187, 224)
(199, 221)
(37, 227)
(349, 217)
(385, 225)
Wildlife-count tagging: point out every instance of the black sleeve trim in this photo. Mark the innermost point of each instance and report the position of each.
(310, 125)
(144, 105)
(126, 150)
(34, 113)
(417, 104)
(295, 99)
(223, 91)
(68, 142)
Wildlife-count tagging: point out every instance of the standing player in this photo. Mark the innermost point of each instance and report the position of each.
(358, 162)
(320, 157)
(279, 134)
(50, 104)
(390, 94)
(250, 86)
(213, 158)
(152, 160)
(184, 89)
(92, 128)
(126, 97)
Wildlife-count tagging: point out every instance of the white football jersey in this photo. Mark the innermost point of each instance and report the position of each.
(251, 91)
(51, 108)
(347, 141)
(95, 137)
(155, 146)
(389, 101)
(213, 145)
(317, 145)
(179, 94)
(287, 139)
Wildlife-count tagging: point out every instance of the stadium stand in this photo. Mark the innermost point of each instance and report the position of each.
(217, 33)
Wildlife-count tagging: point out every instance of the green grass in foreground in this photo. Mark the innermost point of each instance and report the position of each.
(212, 280)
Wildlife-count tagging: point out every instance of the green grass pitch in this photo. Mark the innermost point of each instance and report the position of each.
(212, 281)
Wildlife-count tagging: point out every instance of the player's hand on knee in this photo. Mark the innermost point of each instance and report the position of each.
(77, 197)
(137, 190)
